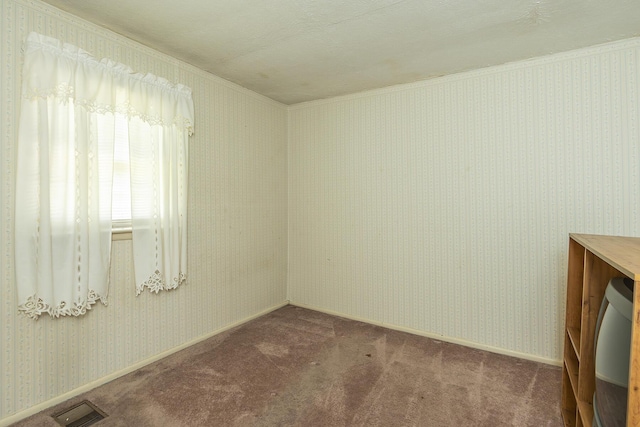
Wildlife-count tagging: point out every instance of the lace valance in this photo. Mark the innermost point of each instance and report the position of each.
(72, 75)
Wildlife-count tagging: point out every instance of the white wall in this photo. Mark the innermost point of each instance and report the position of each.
(444, 207)
(237, 227)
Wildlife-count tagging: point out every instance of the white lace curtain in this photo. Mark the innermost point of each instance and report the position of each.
(71, 104)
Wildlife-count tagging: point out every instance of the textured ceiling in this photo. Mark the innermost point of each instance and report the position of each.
(300, 50)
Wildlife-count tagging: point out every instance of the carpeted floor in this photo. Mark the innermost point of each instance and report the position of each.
(297, 367)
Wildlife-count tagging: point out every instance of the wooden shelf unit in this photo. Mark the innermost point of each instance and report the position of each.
(593, 261)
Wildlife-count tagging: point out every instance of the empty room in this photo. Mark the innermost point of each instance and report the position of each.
(300, 213)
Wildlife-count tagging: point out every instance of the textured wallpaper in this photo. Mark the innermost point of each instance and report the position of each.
(441, 207)
(444, 207)
(237, 226)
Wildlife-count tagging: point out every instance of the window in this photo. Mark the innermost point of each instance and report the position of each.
(121, 192)
(99, 148)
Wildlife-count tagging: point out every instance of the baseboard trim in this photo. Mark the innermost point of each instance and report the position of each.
(89, 386)
(452, 340)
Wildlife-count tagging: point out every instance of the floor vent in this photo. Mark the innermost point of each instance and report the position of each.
(81, 415)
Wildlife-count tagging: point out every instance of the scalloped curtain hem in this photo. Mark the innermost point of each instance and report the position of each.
(156, 283)
(34, 307)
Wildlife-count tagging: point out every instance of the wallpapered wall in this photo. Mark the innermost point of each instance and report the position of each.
(440, 207)
(237, 226)
(444, 207)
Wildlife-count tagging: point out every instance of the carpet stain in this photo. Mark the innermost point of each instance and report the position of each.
(271, 349)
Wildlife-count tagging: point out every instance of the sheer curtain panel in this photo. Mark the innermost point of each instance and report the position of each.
(71, 106)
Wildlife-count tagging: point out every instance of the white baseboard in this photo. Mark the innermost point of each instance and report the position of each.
(89, 386)
(437, 337)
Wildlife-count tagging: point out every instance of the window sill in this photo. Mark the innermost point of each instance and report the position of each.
(121, 234)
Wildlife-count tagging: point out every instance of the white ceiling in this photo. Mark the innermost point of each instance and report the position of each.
(300, 50)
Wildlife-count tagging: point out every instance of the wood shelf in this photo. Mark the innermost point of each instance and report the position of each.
(619, 252)
(572, 369)
(586, 413)
(569, 418)
(593, 261)
(574, 337)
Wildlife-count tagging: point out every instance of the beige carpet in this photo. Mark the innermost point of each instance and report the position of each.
(297, 367)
